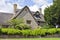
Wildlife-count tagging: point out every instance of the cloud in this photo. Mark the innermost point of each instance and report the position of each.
(45, 6)
(34, 8)
(7, 5)
(42, 4)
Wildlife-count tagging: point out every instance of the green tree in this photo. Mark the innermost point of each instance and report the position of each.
(18, 24)
(15, 22)
(52, 13)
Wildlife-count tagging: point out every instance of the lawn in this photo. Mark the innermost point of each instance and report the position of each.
(31, 39)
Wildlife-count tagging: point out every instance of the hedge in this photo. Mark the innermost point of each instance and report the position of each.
(35, 32)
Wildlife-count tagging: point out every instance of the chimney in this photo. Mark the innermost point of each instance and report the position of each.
(40, 10)
(15, 7)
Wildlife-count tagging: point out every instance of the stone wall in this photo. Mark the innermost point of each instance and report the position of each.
(19, 36)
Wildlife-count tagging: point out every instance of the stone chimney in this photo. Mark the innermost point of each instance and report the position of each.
(15, 7)
(40, 10)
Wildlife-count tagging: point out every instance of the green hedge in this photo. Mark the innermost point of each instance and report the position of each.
(35, 32)
(10, 31)
(52, 31)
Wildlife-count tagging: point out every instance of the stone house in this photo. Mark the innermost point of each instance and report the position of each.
(33, 19)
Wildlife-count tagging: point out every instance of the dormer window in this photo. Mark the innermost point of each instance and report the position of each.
(37, 16)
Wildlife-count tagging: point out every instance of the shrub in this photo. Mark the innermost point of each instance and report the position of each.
(23, 26)
(10, 31)
(4, 30)
(52, 31)
(34, 32)
(18, 24)
(0, 30)
(13, 31)
(46, 26)
(25, 32)
(15, 22)
(42, 32)
(58, 30)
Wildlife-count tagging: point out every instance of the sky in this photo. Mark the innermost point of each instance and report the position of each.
(34, 5)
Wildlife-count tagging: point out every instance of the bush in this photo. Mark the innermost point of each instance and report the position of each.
(46, 26)
(35, 32)
(0, 30)
(58, 30)
(4, 30)
(13, 31)
(22, 26)
(10, 31)
(18, 24)
(42, 32)
(52, 31)
(25, 32)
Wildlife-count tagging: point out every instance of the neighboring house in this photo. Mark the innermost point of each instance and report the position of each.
(33, 19)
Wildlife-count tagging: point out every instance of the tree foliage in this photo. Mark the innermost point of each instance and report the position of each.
(52, 13)
(18, 24)
(15, 22)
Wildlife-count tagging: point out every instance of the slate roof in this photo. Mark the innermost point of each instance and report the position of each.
(4, 17)
(32, 13)
(41, 16)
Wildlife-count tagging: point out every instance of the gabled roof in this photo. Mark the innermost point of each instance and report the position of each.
(22, 11)
(37, 13)
(32, 13)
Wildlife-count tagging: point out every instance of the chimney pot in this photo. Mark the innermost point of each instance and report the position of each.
(15, 7)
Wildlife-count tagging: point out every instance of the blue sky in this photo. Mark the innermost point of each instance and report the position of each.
(34, 5)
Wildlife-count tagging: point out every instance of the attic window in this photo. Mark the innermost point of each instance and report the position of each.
(28, 21)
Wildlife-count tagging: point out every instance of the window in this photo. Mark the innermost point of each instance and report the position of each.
(37, 16)
(28, 21)
(38, 22)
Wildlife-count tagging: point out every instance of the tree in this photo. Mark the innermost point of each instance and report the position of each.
(18, 24)
(15, 22)
(52, 13)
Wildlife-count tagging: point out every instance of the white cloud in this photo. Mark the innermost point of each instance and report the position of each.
(44, 6)
(9, 6)
(40, 2)
(5, 7)
(34, 8)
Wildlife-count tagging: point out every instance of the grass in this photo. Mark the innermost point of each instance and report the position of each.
(31, 39)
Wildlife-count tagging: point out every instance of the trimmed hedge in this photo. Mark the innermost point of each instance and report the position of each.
(35, 32)
(10, 31)
(52, 31)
